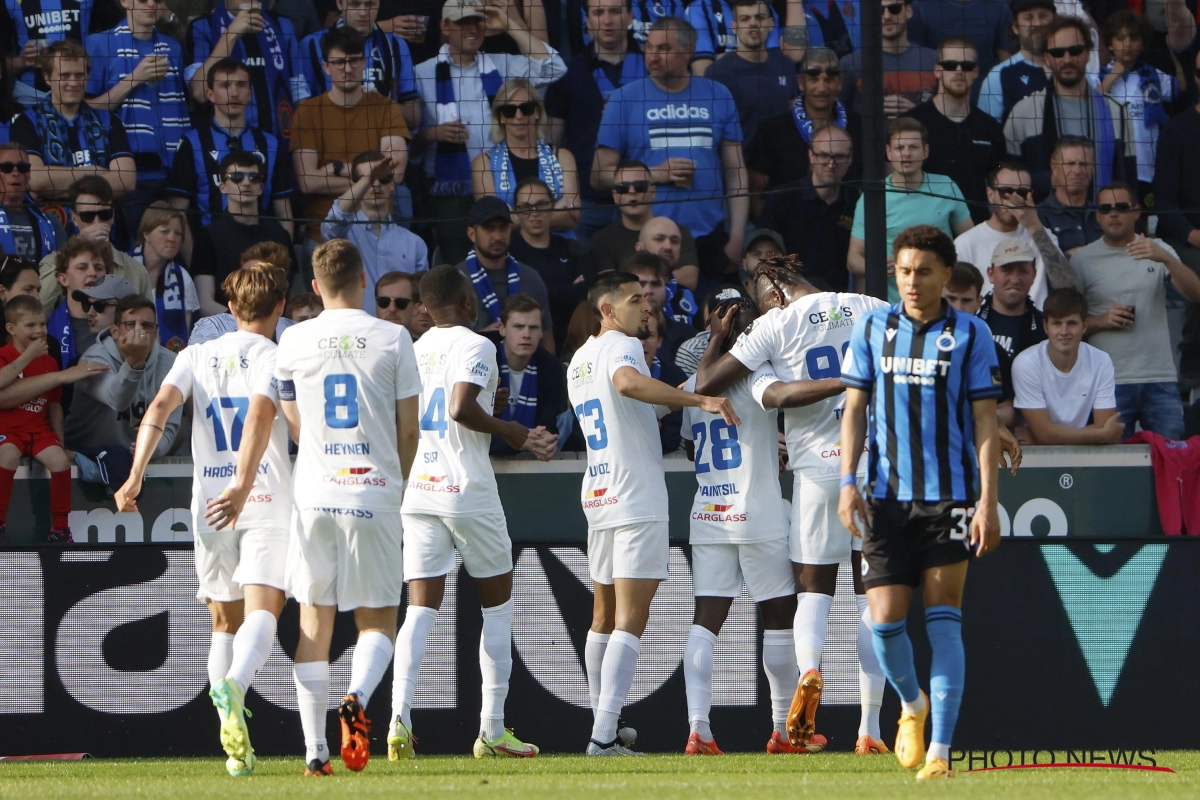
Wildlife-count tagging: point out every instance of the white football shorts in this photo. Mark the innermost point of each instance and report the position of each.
(817, 534)
(481, 539)
(639, 550)
(348, 557)
(718, 570)
(227, 560)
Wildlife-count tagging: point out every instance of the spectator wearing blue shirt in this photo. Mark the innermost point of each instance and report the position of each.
(713, 21)
(389, 67)
(195, 178)
(686, 129)
(264, 42)
(1023, 73)
(363, 214)
(762, 81)
(67, 139)
(137, 74)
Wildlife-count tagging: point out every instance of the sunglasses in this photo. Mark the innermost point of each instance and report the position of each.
(895, 9)
(534, 208)
(1074, 50)
(22, 167)
(386, 302)
(950, 65)
(238, 177)
(99, 305)
(631, 187)
(1108, 208)
(1007, 191)
(88, 217)
(509, 110)
(829, 72)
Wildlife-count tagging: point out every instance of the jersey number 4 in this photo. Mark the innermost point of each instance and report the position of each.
(240, 406)
(434, 418)
(725, 452)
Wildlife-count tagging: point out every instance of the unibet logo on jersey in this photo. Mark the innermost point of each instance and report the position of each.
(342, 347)
(679, 111)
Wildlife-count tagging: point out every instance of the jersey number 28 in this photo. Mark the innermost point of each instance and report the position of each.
(725, 452)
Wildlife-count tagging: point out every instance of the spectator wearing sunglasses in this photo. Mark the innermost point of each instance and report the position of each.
(363, 215)
(633, 194)
(65, 137)
(394, 293)
(1069, 106)
(24, 229)
(1013, 213)
(761, 80)
(778, 153)
(91, 216)
(521, 151)
(984, 24)
(195, 175)
(965, 144)
(908, 78)
(1124, 276)
(219, 244)
(99, 304)
(107, 408)
(1024, 72)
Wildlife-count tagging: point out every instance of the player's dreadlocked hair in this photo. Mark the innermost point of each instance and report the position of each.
(745, 314)
(777, 272)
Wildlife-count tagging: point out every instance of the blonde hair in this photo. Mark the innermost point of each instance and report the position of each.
(337, 266)
(156, 215)
(505, 95)
(255, 290)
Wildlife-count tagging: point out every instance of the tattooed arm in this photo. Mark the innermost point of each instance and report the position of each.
(1059, 272)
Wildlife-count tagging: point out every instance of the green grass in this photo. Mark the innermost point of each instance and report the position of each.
(830, 776)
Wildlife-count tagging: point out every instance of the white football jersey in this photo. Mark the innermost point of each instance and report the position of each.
(346, 369)
(625, 482)
(806, 341)
(453, 475)
(221, 376)
(738, 499)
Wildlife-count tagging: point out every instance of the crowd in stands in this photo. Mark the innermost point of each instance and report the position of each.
(149, 148)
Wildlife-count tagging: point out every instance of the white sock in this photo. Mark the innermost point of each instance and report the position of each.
(410, 649)
(941, 751)
(372, 654)
(697, 676)
(220, 654)
(312, 695)
(812, 621)
(251, 646)
(871, 680)
(593, 657)
(495, 664)
(915, 707)
(616, 676)
(779, 662)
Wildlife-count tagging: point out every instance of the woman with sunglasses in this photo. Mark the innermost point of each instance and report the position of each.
(522, 152)
(160, 235)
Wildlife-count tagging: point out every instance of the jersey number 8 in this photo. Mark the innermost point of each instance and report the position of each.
(341, 401)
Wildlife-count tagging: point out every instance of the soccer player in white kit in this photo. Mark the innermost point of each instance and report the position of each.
(624, 493)
(452, 503)
(739, 532)
(240, 568)
(802, 334)
(350, 389)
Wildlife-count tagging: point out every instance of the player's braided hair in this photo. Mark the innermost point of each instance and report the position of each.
(780, 271)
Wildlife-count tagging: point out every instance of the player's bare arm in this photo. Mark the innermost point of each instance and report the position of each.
(633, 384)
(1009, 446)
(854, 435)
(465, 410)
(797, 394)
(985, 525)
(224, 509)
(150, 432)
(291, 413)
(408, 433)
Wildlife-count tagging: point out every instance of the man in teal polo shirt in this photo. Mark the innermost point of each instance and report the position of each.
(914, 197)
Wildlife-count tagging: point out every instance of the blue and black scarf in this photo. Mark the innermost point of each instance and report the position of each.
(452, 164)
(271, 109)
(1150, 86)
(524, 409)
(483, 284)
(633, 68)
(805, 125)
(505, 180)
(59, 326)
(155, 115)
(169, 304)
(55, 133)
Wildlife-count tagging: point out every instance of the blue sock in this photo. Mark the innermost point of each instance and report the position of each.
(948, 673)
(895, 653)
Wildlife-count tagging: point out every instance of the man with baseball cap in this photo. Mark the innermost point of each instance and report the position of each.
(1015, 322)
(457, 88)
(99, 303)
(762, 244)
(493, 271)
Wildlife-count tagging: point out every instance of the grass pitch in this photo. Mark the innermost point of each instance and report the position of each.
(761, 777)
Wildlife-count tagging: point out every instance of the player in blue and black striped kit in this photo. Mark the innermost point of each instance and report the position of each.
(927, 379)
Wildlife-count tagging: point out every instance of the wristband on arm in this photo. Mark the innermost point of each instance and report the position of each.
(849, 479)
